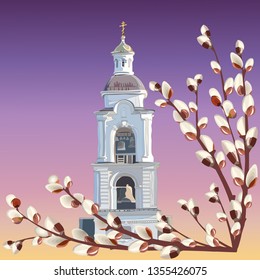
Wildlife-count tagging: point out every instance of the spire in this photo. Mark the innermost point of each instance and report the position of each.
(123, 47)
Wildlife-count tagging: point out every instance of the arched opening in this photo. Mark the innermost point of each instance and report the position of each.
(116, 61)
(123, 63)
(125, 146)
(125, 190)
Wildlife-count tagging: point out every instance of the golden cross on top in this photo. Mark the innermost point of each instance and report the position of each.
(123, 25)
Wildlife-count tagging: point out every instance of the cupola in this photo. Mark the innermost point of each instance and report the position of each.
(123, 56)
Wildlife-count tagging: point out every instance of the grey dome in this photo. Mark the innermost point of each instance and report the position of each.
(124, 82)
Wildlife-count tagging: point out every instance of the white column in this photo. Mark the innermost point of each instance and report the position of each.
(146, 189)
(139, 196)
(154, 189)
(96, 187)
(147, 130)
(104, 189)
(113, 202)
(101, 138)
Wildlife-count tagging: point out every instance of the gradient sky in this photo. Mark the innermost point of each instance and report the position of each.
(54, 61)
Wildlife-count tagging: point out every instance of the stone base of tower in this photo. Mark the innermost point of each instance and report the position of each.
(130, 219)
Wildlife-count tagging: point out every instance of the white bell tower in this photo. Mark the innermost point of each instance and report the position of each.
(125, 174)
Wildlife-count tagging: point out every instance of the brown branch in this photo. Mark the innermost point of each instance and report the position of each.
(227, 222)
(208, 249)
(221, 74)
(246, 169)
(230, 195)
(25, 239)
(111, 247)
(247, 160)
(197, 221)
(185, 236)
(242, 223)
(120, 229)
(163, 243)
(215, 166)
(203, 228)
(234, 141)
(225, 98)
(197, 114)
(71, 239)
(150, 242)
(132, 234)
(153, 241)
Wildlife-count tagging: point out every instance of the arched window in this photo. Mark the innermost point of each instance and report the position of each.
(125, 146)
(123, 63)
(116, 61)
(125, 190)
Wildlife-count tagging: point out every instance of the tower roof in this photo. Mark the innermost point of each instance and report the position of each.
(123, 47)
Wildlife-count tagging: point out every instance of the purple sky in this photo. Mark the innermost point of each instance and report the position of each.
(55, 59)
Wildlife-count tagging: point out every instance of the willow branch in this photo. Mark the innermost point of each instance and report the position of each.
(221, 74)
(227, 222)
(71, 239)
(225, 98)
(234, 140)
(203, 228)
(132, 234)
(25, 239)
(215, 166)
(197, 114)
(153, 241)
(247, 159)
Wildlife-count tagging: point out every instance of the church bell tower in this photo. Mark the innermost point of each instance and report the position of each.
(125, 174)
